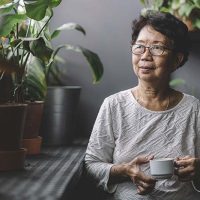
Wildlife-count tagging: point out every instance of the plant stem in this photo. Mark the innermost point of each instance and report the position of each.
(23, 52)
(45, 25)
(26, 60)
(46, 71)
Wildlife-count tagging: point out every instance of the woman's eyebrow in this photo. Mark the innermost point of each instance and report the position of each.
(154, 42)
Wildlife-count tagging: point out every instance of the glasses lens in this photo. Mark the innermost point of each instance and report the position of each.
(138, 49)
(157, 50)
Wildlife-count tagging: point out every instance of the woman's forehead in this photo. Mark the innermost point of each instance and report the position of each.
(149, 35)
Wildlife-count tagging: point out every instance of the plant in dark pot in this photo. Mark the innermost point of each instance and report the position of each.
(61, 102)
(12, 111)
(18, 39)
(60, 109)
(26, 42)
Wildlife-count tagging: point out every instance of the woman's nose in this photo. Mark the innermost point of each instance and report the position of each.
(146, 54)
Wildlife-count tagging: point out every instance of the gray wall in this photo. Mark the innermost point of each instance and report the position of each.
(108, 27)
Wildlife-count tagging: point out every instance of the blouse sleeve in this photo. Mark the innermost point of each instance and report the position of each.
(99, 153)
(197, 142)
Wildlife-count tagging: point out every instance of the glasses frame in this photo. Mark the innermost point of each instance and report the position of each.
(150, 49)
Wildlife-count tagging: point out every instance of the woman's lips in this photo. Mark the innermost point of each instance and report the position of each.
(143, 67)
(146, 69)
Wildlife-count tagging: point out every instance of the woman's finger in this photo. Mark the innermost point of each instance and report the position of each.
(184, 163)
(185, 174)
(184, 158)
(142, 190)
(142, 159)
(146, 179)
(186, 170)
(143, 184)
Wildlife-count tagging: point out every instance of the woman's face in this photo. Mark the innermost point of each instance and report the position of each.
(149, 67)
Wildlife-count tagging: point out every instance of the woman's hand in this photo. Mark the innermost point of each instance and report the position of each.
(145, 184)
(188, 168)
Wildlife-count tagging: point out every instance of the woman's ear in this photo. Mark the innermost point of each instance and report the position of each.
(178, 60)
(180, 57)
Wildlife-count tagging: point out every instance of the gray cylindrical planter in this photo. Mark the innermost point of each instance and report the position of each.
(60, 115)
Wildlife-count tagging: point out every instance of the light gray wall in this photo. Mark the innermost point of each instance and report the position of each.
(108, 27)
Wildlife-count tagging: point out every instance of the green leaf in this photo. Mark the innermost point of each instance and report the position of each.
(68, 26)
(91, 57)
(164, 9)
(6, 10)
(43, 25)
(3, 2)
(7, 3)
(95, 64)
(186, 9)
(175, 4)
(176, 82)
(35, 81)
(197, 3)
(40, 50)
(157, 5)
(24, 43)
(36, 9)
(196, 23)
(55, 74)
(143, 2)
(7, 23)
(54, 3)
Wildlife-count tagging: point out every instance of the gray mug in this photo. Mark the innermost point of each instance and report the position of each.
(162, 168)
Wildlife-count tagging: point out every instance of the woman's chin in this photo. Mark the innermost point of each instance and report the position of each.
(147, 77)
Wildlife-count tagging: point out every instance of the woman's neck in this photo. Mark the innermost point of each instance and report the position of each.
(153, 98)
(149, 93)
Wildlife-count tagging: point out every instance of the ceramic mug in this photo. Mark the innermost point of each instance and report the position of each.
(162, 168)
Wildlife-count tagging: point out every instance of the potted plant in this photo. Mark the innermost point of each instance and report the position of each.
(187, 11)
(25, 47)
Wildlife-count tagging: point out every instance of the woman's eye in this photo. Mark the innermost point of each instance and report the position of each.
(157, 47)
(139, 47)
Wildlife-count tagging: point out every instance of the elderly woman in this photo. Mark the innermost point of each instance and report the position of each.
(150, 120)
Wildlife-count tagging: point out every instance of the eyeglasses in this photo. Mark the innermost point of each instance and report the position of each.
(155, 50)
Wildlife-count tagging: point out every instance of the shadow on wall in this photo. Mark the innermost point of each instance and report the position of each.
(190, 73)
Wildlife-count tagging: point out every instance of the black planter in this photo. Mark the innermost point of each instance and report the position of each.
(60, 115)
